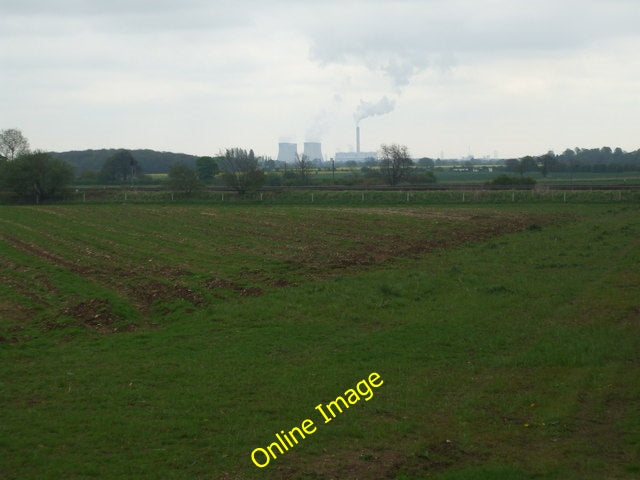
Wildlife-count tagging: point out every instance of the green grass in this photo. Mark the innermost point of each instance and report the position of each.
(449, 176)
(506, 336)
(541, 194)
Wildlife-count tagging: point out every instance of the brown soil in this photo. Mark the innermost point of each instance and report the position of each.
(152, 291)
(371, 464)
(242, 290)
(96, 314)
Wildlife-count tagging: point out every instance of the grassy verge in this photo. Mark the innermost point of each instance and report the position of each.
(541, 194)
(506, 337)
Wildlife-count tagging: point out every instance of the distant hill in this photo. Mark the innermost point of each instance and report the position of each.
(150, 161)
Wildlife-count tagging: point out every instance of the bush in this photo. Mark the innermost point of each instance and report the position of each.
(36, 176)
(273, 179)
(183, 178)
(421, 176)
(511, 180)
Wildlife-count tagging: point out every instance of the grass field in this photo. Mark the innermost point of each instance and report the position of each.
(481, 175)
(449, 176)
(540, 194)
(170, 341)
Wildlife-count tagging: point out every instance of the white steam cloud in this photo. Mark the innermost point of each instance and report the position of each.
(369, 109)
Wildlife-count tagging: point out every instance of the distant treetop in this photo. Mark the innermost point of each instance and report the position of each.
(12, 143)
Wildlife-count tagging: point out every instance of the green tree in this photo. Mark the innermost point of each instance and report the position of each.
(547, 162)
(605, 154)
(182, 178)
(241, 171)
(37, 176)
(269, 165)
(421, 177)
(426, 162)
(527, 164)
(207, 168)
(12, 143)
(395, 163)
(618, 153)
(119, 168)
(522, 165)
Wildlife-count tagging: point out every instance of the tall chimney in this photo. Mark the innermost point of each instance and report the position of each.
(358, 138)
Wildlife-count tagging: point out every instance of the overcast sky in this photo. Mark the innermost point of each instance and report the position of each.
(451, 77)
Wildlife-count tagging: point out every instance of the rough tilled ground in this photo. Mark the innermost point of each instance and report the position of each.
(148, 256)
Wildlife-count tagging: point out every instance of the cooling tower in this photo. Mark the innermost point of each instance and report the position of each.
(287, 152)
(313, 151)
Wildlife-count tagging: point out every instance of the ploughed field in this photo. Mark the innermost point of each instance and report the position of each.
(151, 341)
(120, 267)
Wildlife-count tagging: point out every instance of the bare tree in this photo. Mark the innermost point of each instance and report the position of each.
(303, 167)
(395, 163)
(12, 143)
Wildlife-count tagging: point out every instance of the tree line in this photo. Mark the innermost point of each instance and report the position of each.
(243, 171)
(597, 160)
(37, 175)
(88, 163)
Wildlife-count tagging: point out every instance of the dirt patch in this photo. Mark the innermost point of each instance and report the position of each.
(439, 456)
(96, 314)
(217, 283)
(12, 334)
(369, 249)
(172, 273)
(372, 464)
(279, 283)
(406, 212)
(153, 291)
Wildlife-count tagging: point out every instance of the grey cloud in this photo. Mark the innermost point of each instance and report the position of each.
(122, 16)
(95, 37)
(404, 38)
(91, 7)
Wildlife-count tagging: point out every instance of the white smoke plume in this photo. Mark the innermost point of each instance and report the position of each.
(319, 127)
(369, 109)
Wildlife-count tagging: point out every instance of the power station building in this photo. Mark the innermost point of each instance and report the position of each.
(313, 151)
(287, 152)
(359, 157)
(356, 156)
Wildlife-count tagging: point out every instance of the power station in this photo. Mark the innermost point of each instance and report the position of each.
(313, 151)
(287, 152)
(356, 156)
